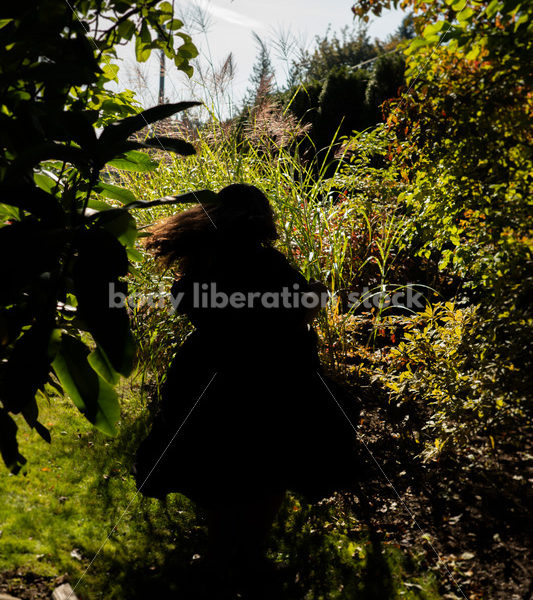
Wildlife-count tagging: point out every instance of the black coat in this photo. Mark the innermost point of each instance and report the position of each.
(246, 407)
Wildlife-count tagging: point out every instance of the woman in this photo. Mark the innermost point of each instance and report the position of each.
(246, 412)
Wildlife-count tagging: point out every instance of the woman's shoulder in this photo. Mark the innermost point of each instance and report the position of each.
(278, 264)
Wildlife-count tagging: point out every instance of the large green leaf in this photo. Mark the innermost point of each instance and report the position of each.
(117, 132)
(45, 182)
(120, 223)
(69, 125)
(8, 213)
(32, 199)
(134, 161)
(31, 415)
(143, 47)
(114, 192)
(97, 205)
(113, 152)
(100, 363)
(27, 369)
(31, 251)
(93, 396)
(170, 145)
(199, 197)
(100, 263)
(9, 449)
(38, 153)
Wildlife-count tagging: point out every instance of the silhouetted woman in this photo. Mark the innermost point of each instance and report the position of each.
(245, 403)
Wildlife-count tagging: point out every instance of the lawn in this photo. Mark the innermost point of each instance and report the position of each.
(73, 510)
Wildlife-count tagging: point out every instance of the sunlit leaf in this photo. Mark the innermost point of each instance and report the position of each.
(134, 161)
(115, 192)
(91, 394)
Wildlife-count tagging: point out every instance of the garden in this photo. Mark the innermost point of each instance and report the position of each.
(400, 173)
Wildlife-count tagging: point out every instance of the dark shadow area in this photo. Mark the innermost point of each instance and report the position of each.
(474, 512)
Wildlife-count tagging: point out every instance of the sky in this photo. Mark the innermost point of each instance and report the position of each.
(219, 27)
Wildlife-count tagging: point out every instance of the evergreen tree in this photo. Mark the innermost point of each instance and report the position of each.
(347, 49)
(262, 79)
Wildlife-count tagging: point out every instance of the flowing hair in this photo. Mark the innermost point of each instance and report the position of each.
(241, 215)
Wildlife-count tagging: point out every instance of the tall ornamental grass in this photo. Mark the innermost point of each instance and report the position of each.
(334, 226)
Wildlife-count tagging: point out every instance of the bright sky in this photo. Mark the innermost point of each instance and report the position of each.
(227, 27)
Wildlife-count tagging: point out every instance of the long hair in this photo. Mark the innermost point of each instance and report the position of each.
(242, 215)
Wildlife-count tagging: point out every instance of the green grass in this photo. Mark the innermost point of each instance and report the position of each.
(70, 496)
(73, 492)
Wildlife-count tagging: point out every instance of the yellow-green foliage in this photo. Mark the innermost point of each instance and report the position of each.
(445, 363)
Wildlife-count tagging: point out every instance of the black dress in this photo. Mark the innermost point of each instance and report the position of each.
(245, 402)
